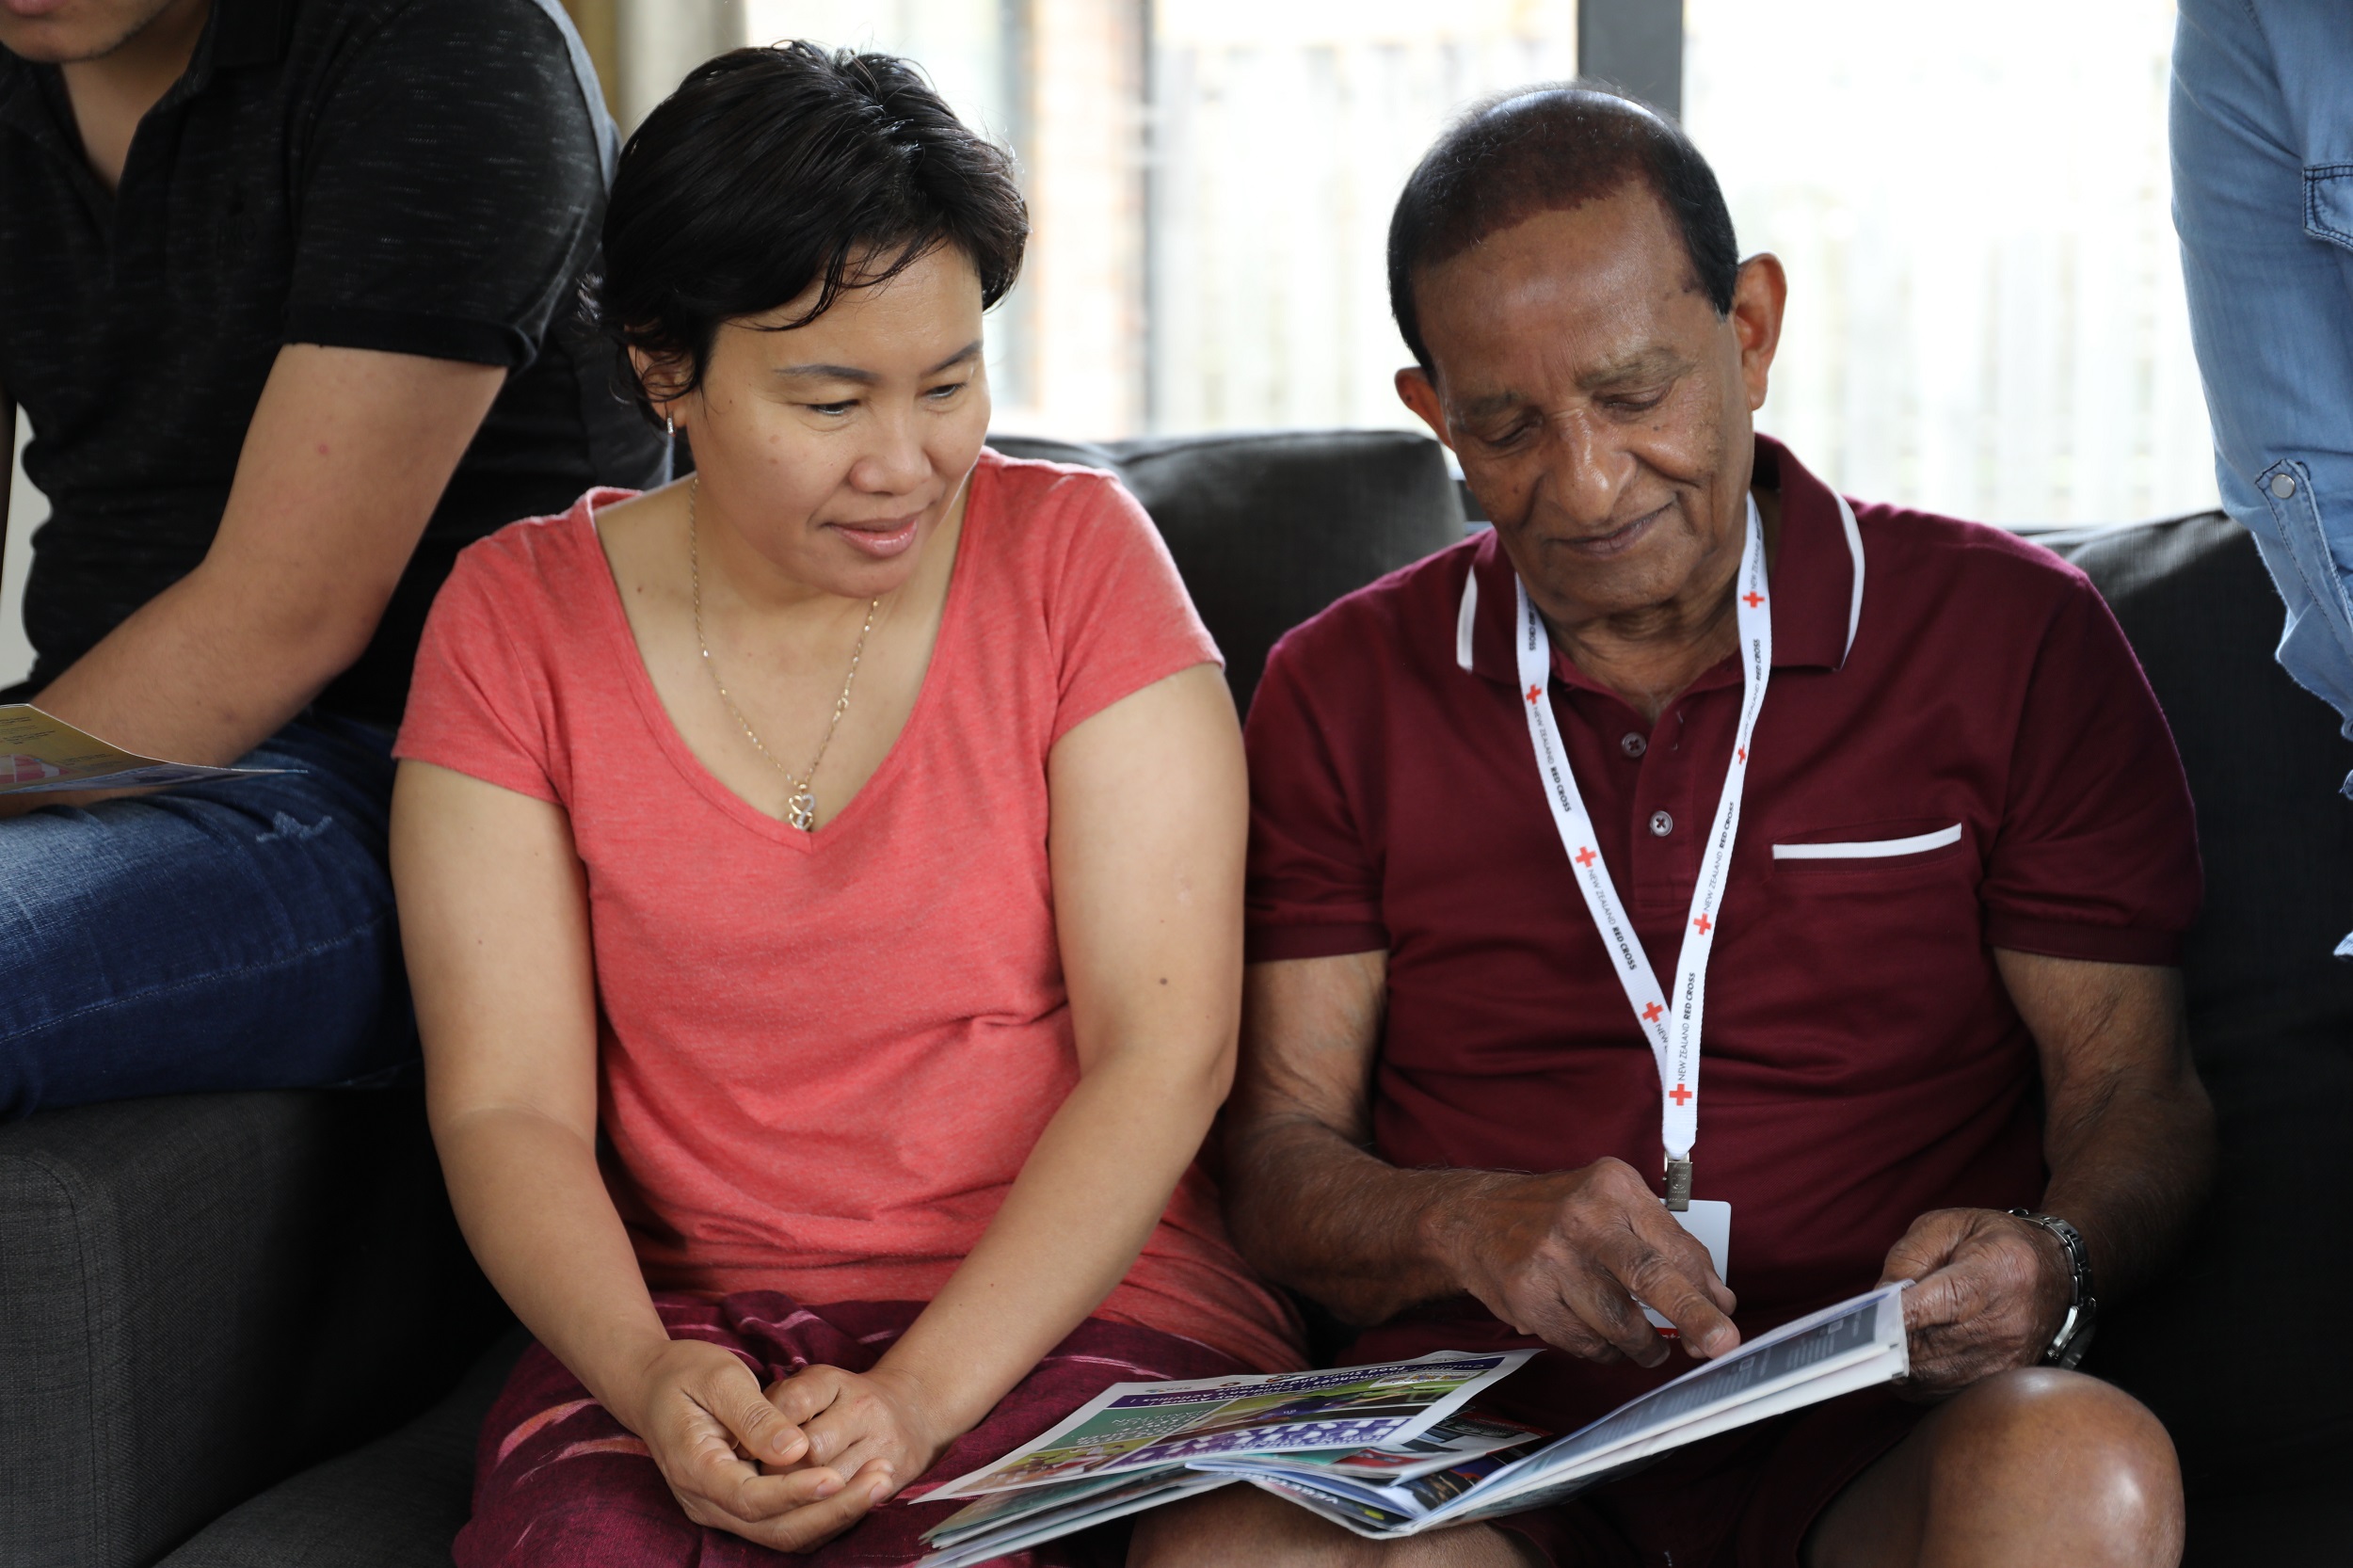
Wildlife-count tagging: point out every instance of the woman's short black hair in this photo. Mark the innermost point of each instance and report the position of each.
(772, 170)
(1549, 148)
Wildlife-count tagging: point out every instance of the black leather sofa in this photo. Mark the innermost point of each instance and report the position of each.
(240, 1331)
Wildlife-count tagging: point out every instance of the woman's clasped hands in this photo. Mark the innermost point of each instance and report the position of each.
(788, 1466)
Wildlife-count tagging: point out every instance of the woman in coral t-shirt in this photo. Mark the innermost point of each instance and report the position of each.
(822, 881)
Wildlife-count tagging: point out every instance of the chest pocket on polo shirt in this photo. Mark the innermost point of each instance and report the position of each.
(1872, 855)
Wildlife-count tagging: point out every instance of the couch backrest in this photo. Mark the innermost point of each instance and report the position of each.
(2233, 1348)
(1269, 529)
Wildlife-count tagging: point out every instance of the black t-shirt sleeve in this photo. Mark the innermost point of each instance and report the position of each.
(449, 188)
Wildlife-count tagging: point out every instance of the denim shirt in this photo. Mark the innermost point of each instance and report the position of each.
(2263, 201)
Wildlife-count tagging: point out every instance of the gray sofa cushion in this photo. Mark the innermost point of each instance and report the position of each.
(2225, 1349)
(199, 1294)
(1267, 529)
(397, 1503)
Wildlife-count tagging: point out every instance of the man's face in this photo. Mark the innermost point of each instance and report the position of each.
(1598, 403)
(62, 32)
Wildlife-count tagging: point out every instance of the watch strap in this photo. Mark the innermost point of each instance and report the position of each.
(2066, 1347)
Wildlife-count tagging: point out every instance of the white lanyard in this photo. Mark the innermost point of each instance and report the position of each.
(1672, 1031)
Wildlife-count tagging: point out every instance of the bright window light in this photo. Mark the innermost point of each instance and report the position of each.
(1985, 303)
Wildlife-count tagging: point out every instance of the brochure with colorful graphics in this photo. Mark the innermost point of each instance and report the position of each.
(1409, 1479)
(1137, 1446)
(39, 753)
(1147, 1426)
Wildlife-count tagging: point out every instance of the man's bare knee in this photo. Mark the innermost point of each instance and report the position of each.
(2085, 1454)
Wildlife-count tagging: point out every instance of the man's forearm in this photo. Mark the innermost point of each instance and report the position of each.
(2128, 1132)
(344, 460)
(201, 674)
(2129, 1167)
(1341, 1225)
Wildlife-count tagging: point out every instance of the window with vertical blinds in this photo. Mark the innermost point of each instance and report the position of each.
(1985, 298)
(1985, 314)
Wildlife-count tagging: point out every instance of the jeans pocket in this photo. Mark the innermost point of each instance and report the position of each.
(2329, 204)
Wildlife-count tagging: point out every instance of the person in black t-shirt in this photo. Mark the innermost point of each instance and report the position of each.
(287, 292)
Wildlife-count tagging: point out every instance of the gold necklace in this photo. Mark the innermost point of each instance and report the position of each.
(800, 803)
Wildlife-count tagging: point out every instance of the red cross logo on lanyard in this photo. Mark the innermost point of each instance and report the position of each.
(1681, 1096)
(1653, 1013)
(1752, 599)
(1586, 857)
(1535, 692)
(1703, 923)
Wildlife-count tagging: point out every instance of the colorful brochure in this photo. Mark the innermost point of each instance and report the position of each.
(1147, 1426)
(1391, 1451)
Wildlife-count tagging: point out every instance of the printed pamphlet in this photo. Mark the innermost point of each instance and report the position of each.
(1394, 1449)
(1147, 1426)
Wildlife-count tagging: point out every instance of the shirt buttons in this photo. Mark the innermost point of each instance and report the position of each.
(1632, 744)
(1661, 824)
(2284, 485)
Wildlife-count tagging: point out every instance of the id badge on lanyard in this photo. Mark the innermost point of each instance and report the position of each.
(1668, 1021)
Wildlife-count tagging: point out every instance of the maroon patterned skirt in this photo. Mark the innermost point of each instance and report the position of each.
(558, 1482)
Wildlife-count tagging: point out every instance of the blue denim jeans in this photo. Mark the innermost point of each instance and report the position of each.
(232, 935)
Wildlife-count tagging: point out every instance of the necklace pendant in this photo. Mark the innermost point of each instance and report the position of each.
(801, 812)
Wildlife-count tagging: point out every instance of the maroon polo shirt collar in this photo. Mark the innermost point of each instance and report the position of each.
(1817, 578)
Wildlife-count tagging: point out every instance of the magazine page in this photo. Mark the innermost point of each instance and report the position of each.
(1405, 1500)
(1352, 1515)
(1140, 1426)
(1854, 1345)
(1019, 1531)
(1560, 1486)
(42, 753)
(995, 1511)
(1866, 1333)
(1468, 1434)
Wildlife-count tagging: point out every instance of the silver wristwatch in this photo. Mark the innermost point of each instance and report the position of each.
(2082, 1309)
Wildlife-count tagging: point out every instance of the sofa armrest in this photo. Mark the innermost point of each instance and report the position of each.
(200, 1294)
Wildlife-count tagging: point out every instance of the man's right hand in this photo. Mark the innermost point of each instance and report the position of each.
(1567, 1257)
(710, 1428)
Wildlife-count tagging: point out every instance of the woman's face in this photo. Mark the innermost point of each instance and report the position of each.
(834, 450)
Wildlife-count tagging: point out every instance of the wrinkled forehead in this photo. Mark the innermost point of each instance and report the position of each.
(1586, 291)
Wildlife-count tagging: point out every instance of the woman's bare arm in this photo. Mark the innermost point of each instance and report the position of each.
(494, 916)
(1151, 813)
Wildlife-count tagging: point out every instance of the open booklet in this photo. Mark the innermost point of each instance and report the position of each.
(39, 753)
(1424, 1455)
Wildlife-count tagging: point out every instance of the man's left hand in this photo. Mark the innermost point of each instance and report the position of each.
(1990, 1293)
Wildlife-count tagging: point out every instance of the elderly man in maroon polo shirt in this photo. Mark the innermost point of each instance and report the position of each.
(1695, 835)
